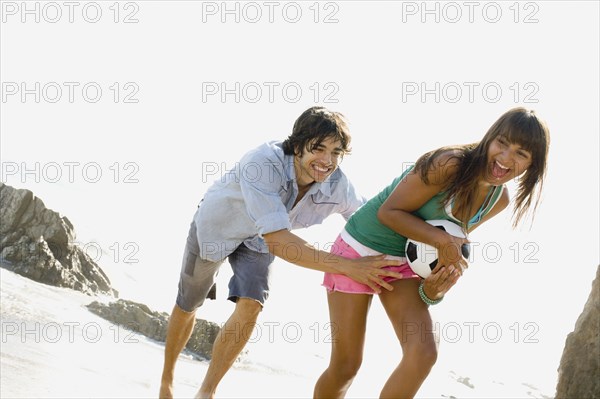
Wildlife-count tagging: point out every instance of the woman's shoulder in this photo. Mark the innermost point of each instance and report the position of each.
(444, 165)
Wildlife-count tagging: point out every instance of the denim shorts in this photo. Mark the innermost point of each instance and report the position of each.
(197, 278)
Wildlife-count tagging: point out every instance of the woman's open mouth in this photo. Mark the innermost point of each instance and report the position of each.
(499, 170)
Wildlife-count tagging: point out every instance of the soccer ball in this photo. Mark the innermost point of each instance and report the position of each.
(423, 258)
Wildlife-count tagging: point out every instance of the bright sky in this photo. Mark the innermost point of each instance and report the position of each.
(123, 126)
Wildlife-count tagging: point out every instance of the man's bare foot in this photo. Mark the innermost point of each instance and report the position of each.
(166, 391)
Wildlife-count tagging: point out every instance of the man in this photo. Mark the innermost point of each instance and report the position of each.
(247, 217)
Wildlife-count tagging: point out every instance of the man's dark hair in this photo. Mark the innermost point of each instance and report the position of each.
(315, 125)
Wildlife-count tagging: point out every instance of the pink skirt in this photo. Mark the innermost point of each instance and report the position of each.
(341, 283)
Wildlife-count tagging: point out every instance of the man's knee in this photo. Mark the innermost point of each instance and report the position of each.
(181, 318)
(182, 312)
(247, 309)
(242, 322)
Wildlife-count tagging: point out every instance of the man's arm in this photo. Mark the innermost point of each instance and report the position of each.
(367, 270)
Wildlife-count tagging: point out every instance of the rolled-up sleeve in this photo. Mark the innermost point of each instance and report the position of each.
(261, 181)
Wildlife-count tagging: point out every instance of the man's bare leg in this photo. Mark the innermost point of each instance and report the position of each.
(181, 325)
(229, 344)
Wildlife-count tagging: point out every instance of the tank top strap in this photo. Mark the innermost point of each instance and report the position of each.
(491, 199)
(494, 200)
(489, 202)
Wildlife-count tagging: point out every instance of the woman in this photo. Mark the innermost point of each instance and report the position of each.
(464, 184)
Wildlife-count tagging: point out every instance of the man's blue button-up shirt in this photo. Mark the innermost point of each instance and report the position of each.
(257, 197)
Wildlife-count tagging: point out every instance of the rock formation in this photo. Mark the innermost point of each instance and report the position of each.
(579, 370)
(139, 318)
(38, 243)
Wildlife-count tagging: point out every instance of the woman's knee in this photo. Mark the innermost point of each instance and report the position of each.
(424, 354)
(345, 367)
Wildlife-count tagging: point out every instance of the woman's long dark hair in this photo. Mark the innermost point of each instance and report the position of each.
(519, 126)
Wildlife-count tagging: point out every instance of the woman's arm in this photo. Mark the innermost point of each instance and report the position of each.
(411, 194)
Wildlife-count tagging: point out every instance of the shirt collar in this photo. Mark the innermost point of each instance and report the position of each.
(290, 174)
(325, 187)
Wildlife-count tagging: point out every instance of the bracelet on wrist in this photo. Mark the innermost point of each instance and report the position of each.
(425, 298)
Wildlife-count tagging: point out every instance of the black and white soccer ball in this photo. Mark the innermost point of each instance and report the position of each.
(423, 258)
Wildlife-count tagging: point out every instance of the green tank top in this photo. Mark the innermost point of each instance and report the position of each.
(368, 230)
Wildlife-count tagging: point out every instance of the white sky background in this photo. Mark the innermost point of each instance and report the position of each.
(372, 62)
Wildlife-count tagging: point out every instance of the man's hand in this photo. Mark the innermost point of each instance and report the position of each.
(369, 270)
